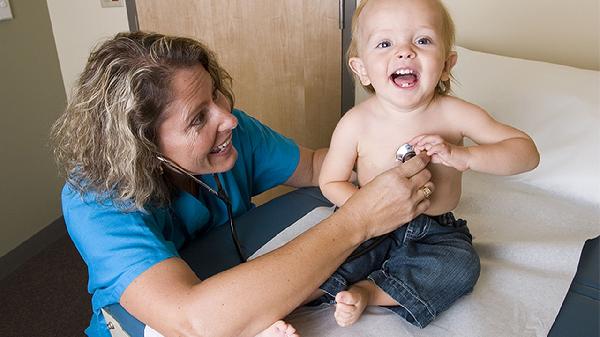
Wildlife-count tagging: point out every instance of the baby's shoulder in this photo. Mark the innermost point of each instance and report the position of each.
(358, 115)
(455, 107)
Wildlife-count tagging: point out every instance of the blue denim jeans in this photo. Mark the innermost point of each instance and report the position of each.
(425, 265)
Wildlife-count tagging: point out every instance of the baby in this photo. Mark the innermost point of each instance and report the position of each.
(401, 51)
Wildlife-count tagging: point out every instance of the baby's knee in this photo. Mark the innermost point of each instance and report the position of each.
(469, 268)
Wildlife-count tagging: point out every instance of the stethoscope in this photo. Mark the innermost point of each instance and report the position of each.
(404, 153)
(219, 193)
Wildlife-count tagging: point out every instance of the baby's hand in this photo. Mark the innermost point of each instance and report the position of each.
(442, 152)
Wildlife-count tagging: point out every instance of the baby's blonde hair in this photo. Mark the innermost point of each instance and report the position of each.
(448, 36)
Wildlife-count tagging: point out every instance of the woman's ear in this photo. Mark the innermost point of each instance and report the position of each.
(358, 67)
(448, 65)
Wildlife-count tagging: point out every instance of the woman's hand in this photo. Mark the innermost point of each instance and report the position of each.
(391, 199)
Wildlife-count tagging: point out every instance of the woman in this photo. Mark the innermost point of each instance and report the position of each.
(145, 98)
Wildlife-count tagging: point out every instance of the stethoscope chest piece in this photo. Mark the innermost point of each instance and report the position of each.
(405, 152)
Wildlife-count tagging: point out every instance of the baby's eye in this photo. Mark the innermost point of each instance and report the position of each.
(423, 41)
(384, 44)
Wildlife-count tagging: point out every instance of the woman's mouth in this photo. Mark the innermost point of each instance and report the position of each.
(405, 78)
(221, 147)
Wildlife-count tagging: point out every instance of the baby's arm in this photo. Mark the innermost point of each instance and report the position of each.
(338, 165)
(500, 149)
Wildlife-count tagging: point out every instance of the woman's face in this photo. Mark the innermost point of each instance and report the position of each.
(197, 125)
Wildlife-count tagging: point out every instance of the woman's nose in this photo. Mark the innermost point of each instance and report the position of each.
(227, 120)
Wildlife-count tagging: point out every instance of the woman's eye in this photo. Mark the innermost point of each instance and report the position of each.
(384, 44)
(198, 120)
(423, 41)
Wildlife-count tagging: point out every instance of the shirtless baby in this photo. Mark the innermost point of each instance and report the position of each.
(401, 51)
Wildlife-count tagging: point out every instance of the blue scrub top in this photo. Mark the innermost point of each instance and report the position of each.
(118, 246)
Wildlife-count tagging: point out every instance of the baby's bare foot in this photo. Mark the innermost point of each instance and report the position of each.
(279, 329)
(350, 305)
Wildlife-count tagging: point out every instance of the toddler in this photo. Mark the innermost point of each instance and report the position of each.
(401, 51)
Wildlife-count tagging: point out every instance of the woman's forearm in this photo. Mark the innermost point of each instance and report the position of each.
(248, 298)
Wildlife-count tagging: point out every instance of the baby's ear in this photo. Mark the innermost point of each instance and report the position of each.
(448, 65)
(358, 67)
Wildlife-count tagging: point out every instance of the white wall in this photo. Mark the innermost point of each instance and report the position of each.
(78, 26)
(31, 97)
(30, 194)
(562, 32)
(551, 31)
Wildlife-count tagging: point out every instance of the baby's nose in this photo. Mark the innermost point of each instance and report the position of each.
(406, 53)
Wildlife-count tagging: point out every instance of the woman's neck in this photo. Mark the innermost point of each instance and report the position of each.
(182, 182)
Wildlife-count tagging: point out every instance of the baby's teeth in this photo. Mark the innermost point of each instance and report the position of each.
(403, 71)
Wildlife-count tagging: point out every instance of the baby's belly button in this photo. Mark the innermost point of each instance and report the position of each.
(439, 206)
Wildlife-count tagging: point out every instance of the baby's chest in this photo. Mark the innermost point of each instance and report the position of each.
(377, 147)
(375, 158)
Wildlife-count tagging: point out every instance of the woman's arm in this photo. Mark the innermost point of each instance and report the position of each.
(308, 169)
(246, 299)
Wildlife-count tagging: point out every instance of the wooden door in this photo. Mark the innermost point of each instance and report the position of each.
(284, 56)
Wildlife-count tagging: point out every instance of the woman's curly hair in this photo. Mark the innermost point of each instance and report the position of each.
(106, 140)
(448, 36)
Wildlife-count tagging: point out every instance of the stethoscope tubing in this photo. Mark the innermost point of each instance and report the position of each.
(219, 193)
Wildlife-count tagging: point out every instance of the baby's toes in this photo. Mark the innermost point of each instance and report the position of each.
(344, 314)
(347, 298)
(290, 331)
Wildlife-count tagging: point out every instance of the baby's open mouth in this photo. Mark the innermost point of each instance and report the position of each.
(405, 77)
(222, 147)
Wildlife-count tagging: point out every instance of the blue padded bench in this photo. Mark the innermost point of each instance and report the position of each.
(215, 252)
